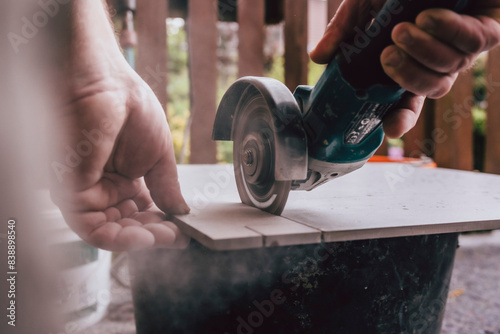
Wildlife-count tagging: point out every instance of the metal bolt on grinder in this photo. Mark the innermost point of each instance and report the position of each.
(284, 142)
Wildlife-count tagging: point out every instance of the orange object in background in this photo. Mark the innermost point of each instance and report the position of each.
(424, 161)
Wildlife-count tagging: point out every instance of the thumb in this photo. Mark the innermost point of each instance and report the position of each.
(404, 117)
(163, 183)
(350, 14)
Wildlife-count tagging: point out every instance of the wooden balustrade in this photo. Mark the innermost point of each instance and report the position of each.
(444, 130)
(296, 57)
(152, 54)
(492, 161)
(453, 125)
(251, 17)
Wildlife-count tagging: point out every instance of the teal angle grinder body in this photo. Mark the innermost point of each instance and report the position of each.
(284, 141)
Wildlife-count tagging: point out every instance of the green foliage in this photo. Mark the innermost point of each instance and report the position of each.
(315, 71)
(178, 85)
(479, 112)
(177, 49)
(395, 142)
(177, 125)
(480, 79)
(225, 152)
(276, 68)
(479, 117)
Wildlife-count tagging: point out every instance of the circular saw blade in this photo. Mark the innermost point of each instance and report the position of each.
(254, 157)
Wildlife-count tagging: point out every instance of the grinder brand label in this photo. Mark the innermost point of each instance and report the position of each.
(368, 119)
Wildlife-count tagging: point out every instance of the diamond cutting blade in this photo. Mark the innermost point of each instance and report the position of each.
(254, 157)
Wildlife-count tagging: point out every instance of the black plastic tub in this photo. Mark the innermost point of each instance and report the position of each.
(394, 285)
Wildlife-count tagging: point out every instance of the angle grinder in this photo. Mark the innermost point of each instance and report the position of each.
(284, 142)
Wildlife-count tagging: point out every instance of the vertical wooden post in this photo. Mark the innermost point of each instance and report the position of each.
(251, 15)
(492, 162)
(202, 37)
(383, 149)
(296, 57)
(418, 141)
(453, 133)
(333, 5)
(152, 58)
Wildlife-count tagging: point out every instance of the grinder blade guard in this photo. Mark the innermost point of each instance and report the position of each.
(262, 118)
(254, 155)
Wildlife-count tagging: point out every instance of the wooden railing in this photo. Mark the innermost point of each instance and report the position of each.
(445, 128)
(443, 132)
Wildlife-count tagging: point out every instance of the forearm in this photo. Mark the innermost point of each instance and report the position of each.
(86, 49)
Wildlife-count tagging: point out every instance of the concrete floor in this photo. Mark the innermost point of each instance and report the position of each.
(473, 305)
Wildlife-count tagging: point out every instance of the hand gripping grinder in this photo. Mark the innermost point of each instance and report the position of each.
(284, 142)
